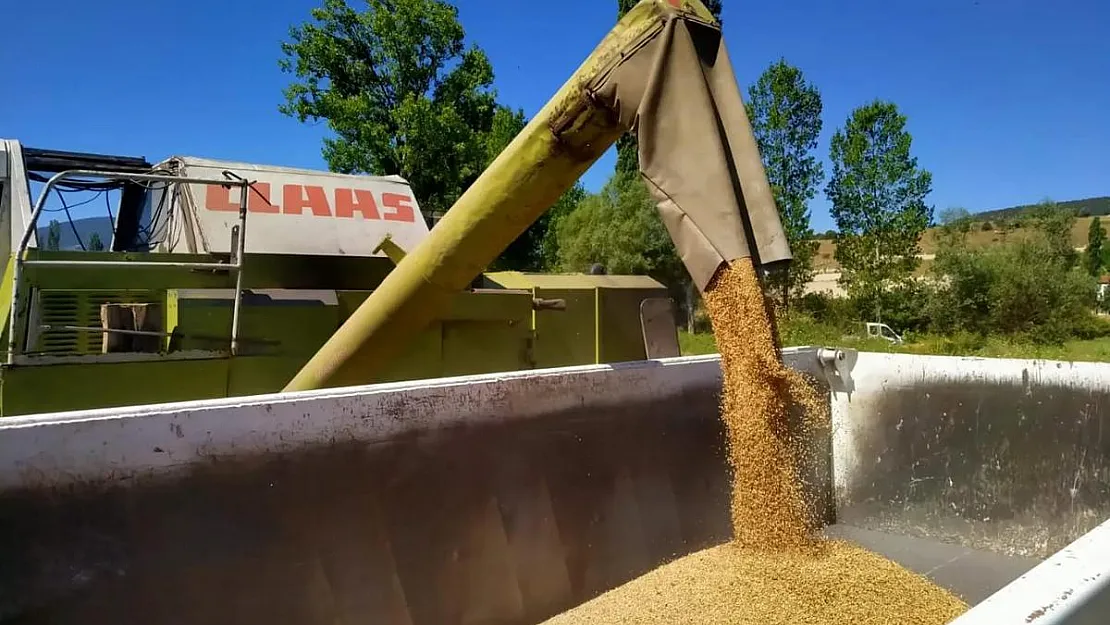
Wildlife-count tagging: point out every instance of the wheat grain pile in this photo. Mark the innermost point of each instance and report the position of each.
(833, 583)
(775, 570)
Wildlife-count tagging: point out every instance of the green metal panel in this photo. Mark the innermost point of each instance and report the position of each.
(260, 375)
(602, 320)
(52, 388)
(520, 280)
(6, 296)
(422, 360)
(467, 346)
(487, 332)
(482, 332)
(466, 305)
(262, 271)
(565, 337)
(620, 335)
(298, 328)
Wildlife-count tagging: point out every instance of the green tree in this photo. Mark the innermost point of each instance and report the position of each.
(785, 112)
(54, 236)
(565, 206)
(95, 244)
(526, 252)
(628, 156)
(1096, 236)
(953, 223)
(399, 89)
(955, 216)
(537, 248)
(1025, 286)
(878, 196)
(1053, 223)
(506, 125)
(620, 229)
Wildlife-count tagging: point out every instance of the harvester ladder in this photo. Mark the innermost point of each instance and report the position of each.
(238, 244)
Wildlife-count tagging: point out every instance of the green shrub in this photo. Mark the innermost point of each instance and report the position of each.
(1039, 295)
(1031, 288)
(963, 302)
(958, 343)
(903, 307)
(797, 329)
(837, 312)
(1091, 326)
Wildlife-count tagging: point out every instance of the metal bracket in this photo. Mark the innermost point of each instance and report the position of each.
(837, 365)
(548, 304)
(391, 250)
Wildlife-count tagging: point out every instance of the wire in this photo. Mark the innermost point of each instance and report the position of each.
(176, 228)
(82, 203)
(153, 223)
(108, 205)
(153, 233)
(111, 219)
(72, 226)
(71, 184)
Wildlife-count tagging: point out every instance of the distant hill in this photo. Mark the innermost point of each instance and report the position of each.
(85, 228)
(1090, 207)
(978, 237)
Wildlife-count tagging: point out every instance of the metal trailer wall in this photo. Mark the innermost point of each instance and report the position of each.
(486, 499)
(1072, 587)
(1001, 454)
(508, 498)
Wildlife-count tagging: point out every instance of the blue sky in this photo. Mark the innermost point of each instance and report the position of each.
(1008, 100)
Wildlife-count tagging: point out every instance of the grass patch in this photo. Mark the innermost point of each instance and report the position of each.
(804, 331)
(696, 344)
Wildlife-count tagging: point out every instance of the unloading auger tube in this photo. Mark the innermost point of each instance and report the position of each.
(662, 72)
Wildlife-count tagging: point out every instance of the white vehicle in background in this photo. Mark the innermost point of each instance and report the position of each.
(882, 331)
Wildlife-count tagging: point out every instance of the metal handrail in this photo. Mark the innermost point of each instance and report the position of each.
(238, 234)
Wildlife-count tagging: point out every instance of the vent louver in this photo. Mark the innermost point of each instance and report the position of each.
(80, 309)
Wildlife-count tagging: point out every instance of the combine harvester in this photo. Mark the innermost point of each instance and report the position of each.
(500, 498)
(182, 307)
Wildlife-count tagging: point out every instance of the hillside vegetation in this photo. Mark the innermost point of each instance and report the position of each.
(985, 232)
(1090, 207)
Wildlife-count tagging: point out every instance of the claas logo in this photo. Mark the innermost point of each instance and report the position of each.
(299, 199)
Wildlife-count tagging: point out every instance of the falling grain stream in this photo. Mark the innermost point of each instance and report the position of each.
(776, 569)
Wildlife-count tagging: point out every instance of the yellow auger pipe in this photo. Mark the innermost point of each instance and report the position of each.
(601, 101)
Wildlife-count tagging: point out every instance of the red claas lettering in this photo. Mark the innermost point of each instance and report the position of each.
(219, 199)
(401, 205)
(295, 199)
(258, 199)
(350, 201)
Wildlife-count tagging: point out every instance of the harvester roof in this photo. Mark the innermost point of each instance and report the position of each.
(292, 211)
